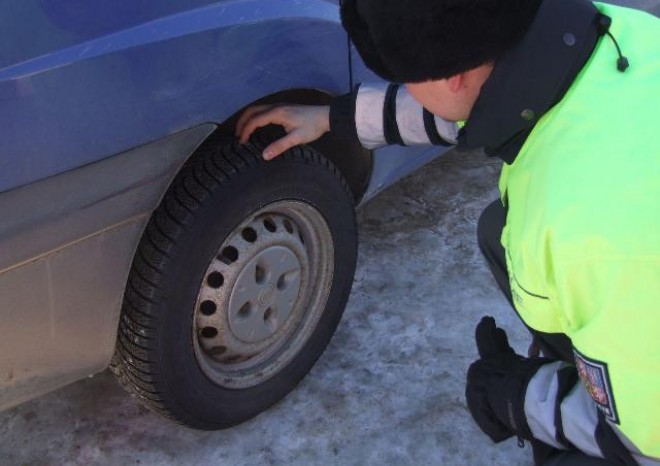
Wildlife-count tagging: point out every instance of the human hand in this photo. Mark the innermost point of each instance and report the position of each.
(497, 383)
(491, 340)
(303, 124)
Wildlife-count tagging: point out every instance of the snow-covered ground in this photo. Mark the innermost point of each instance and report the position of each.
(389, 390)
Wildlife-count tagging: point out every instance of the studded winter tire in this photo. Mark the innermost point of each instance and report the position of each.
(237, 285)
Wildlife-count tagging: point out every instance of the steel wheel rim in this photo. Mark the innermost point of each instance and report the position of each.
(263, 294)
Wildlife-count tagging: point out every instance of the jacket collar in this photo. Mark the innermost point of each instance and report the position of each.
(532, 77)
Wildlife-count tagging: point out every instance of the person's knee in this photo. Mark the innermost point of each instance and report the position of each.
(489, 227)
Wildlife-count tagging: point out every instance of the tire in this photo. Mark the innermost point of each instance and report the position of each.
(237, 285)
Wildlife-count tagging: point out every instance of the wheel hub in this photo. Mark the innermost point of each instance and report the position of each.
(263, 294)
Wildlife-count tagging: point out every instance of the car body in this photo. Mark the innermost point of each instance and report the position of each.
(101, 105)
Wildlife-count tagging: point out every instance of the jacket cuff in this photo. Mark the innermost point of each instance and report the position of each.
(342, 116)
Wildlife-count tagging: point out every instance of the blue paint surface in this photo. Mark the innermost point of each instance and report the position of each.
(83, 80)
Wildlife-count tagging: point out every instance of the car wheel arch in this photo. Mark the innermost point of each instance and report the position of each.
(353, 161)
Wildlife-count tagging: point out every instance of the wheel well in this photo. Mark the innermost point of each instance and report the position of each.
(353, 160)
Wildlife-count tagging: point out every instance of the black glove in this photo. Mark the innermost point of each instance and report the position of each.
(496, 384)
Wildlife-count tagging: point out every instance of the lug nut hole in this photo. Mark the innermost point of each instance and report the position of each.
(288, 227)
(208, 308)
(215, 280)
(218, 350)
(269, 224)
(282, 282)
(260, 274)
(245, 310)
(209, 332)
(229, 255)
(249, 235)
(269, 314)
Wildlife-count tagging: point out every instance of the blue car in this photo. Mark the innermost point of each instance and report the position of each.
(136, 233)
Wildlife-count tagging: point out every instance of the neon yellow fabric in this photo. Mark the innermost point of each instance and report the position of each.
(583, 226)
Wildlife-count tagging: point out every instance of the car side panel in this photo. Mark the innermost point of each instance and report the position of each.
(75, 105)
(51, 214)
(64, 263)
(60, 313)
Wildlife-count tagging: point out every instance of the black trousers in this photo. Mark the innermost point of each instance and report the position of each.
(552, 345)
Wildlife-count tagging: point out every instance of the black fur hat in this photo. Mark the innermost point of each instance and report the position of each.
(419, 40)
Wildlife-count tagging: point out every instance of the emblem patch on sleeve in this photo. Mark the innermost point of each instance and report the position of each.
(596, 378)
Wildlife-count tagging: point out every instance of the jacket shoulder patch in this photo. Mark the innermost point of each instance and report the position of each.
(596, 378)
